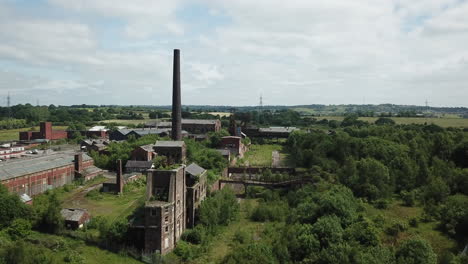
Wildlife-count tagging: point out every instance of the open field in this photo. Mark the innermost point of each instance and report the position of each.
(221, 114)
(260, 155)
(13, 134)
(128, 121)
(397, 212)
(221, 244)
(443, 122)
(106, 204)
(63, 248)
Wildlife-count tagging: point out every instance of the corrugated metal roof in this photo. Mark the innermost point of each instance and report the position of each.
(139, 164)
(194, 169)
(278, 129)
(24, 166)
(167, 143)
(70, 214)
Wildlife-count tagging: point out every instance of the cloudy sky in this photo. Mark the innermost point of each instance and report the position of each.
(292, 52)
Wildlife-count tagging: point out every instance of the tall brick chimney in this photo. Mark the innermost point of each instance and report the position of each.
(176, 99)
(119, 177)
(78, 163)
(46, 130)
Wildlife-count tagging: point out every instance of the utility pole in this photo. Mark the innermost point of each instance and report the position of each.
(8, 105)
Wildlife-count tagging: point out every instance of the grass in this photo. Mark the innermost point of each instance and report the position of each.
(64, 246)
(13, 134)
(222, 243)
(260, 155)
(427, 230)
(221, 114)
(443, 122)
(109, 205)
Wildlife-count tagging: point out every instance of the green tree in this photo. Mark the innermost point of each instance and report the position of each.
(415, 251)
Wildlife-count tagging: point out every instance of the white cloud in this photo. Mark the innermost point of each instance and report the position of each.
(294, 52)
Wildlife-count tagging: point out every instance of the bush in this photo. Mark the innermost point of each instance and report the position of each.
(415, 251)
(19, 228)
(382, 204)
(94, 195)
(185, 251)
(396, 228)
(275, 211)
(241, 236)
(409, 198)
(195, 235)
(413, 222)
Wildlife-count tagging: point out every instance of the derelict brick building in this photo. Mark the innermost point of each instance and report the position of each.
(33, 176)
(46, 132)
(174, 194)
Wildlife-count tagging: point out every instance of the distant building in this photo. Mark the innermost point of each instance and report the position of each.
(144, 153)
(234, 145)
(175, 151)
(46, 132)
(193, 126)
(269, 132)
(124, 134)
(75, 218)
(138, 166)
(35, 175)
(196, 191)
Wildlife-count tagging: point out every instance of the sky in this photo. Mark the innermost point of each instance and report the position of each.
(291, 52)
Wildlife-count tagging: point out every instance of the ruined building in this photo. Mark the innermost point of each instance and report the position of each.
(175, 192)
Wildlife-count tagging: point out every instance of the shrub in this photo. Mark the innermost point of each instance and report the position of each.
(382, 204)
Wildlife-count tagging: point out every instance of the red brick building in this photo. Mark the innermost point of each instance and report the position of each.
(234, 145)
(46, 132)
(143, 153)
(33, 176)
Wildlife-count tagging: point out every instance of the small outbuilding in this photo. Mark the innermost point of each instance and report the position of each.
(75, 218)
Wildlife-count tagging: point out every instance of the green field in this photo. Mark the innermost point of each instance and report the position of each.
(443, 122)
(259, 155)
(106, 204)
(221, 245)
(427, 230)
(13, 134)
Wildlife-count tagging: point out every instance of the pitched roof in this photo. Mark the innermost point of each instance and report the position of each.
(168, 143)
(71, 214)
(148, 147)
(24, 166)
(200, 121)
(224, 152)
(278, 129)
(194, 169)
(139, 164)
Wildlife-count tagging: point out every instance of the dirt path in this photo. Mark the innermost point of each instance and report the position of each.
(276, 160)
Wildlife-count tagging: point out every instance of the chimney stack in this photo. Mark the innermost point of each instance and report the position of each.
(176, 99)
(119, 178)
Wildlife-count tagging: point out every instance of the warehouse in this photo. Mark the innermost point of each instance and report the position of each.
(33, 176)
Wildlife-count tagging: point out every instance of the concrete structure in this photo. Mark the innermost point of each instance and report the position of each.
(196, 191)
(33, 176)
(193, 126)
(138, 166)
(143, 153)
(46, 132)
(11, 152)
(75, 218)
(124, 134)
(175, 151)
(269, 132)
(176, 99)
(234, 145)
(164, 209)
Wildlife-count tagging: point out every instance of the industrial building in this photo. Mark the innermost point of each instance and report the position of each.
(35, 175)
(46, 132)
(193, 126)
(173, 195)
